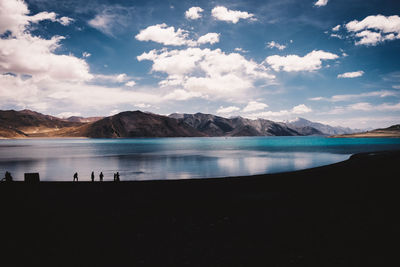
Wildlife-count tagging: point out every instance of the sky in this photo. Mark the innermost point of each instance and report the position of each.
(331, 61)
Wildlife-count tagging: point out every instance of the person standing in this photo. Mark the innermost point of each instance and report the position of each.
(92, 176)
(75, 177)
(101, 176)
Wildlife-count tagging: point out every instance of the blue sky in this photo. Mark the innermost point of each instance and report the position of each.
(334, 61)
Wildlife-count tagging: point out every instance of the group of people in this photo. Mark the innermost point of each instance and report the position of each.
(101, 176)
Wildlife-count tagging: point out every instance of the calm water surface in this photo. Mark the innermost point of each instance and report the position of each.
(177, 158)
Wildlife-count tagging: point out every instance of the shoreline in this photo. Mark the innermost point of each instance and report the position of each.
(340, 214)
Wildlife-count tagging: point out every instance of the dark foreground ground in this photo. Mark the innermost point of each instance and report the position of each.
(338, 215)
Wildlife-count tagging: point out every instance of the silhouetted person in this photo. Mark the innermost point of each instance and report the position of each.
(101, 176)
(92, 176)
(117, 177)
(7, 177)
(75, 177)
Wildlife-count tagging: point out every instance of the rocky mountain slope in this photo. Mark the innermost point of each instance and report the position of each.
(212, 125)
(325, 129)
(135, 124)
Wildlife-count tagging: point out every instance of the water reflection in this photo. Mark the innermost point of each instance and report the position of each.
(176, 158)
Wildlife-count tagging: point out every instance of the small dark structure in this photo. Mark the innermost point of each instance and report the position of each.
(7, 177)
(101, 176)
(92, 176)
(31, 177)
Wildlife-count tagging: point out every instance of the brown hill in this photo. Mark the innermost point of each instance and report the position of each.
(134, 124)
(27, 123)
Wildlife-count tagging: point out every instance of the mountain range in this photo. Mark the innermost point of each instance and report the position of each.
(27, 123)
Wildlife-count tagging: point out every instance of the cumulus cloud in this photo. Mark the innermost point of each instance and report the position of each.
(181, 95)
(233, 16)
(227, 110)
(211, 38)
(321, 3)
(290, 63)
(193, 12)
(353, 74)
(282, 114)
(208, 72)
(14, 17)
(254, 106)
(116, 78)
(161, 33)
(375, 29)
(130, 83)
(336, 28)
(33, 75)
(273, 44)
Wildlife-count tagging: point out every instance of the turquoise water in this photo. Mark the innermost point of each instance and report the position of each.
(177, 158)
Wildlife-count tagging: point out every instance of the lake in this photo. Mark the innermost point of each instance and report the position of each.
(177, 158)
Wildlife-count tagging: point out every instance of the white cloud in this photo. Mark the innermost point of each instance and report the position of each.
(181, 95)
(130, 83)
(14, 17)
(353, 74)
(65, 20)
(68, 114)
(375, 29)
(163, 34)
(211, 38)
(86, 54)
(254, 106)
(239, 49)
(273, 44)
(310, 62)
(193, 12)
(142, 105)
(364, 106)
(335, 35)
(282, 114)
(321, 3)
(301, 109)
(336, 28)
(396, 86)
(224, 14)
(348, 97)
(212, 73)
(116, 78)
(227, 110)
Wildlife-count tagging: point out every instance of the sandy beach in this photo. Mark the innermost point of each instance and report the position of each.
(336, 215)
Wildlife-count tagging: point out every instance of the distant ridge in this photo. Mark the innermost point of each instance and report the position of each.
(392, 131)
(324, 129)
(27, 123)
